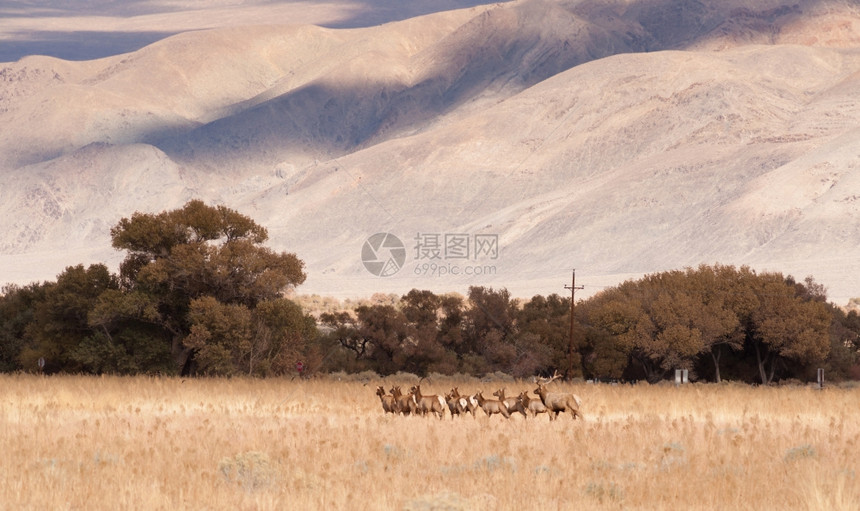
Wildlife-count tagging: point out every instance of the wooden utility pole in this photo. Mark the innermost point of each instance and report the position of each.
(573, 289)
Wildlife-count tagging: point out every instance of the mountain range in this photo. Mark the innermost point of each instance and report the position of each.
(501, 144)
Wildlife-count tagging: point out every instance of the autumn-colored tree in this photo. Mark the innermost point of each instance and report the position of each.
(195, 252)
(786, 325)
(648, 320)
(674, 335)
(220, 336)
(717, 291)
(667, 320)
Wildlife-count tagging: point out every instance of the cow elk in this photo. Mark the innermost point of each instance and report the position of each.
(404, 403)
(492, 406)
(428, 404)
(468, 403)
(389, 404)
(532, 405)
(557, 402)
(454, 405)
(511, 403)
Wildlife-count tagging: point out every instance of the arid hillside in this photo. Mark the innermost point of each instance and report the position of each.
(503, 144)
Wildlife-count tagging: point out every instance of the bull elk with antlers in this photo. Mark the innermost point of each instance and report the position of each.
(557, 402)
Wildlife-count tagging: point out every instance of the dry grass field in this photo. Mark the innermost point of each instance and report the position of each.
(166, 443)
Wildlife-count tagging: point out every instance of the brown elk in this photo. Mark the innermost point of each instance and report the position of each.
(469, 403)
(557, 402)
(389, 404)
(432, 404)
(454, 404)
(405, 404)
(511, 403)
(492, 406)
(532, 405)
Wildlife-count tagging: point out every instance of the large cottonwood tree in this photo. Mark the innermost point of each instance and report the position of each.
(198, 254)
(667, 320)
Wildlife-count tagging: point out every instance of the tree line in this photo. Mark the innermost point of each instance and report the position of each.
(715, 321)
(199, 294)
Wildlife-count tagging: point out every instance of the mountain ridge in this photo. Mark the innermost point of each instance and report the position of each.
(618, 137)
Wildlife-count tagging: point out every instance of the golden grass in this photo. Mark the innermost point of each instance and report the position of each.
(164, 443)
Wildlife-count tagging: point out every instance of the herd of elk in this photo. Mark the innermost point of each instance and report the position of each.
(416, 403)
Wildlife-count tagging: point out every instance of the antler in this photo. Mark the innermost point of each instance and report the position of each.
(547, 381)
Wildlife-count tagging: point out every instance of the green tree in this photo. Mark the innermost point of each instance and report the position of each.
(844, 344)
(60, 319)
(543, 337)
(128, 337)
(283, 336)
(489, 328)
(221, 335)
(377, 337)
(612, 317)
(431, 319)
(17, 308)
(387, 331)
(267, 340)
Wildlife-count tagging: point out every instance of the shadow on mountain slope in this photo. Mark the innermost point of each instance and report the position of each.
(495, 55)
(90, 44)
(76, 45)
(374, 12)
